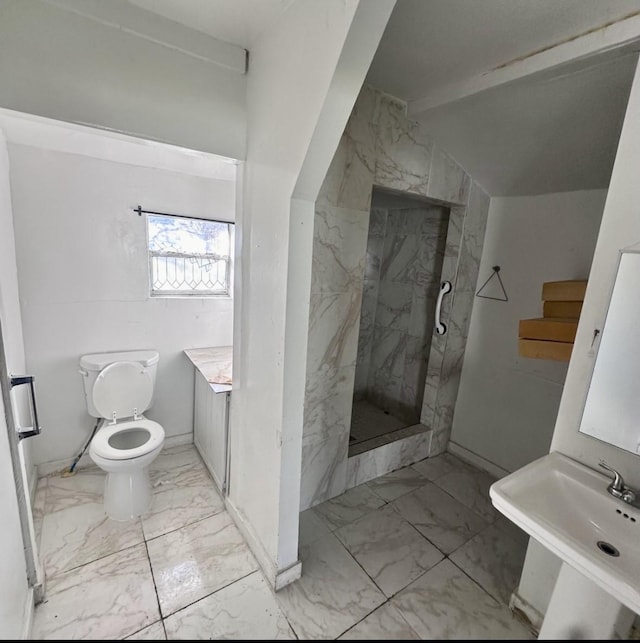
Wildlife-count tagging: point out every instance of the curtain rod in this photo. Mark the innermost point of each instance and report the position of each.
(139, 211)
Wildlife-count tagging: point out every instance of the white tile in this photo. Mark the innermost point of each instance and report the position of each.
(332, 595)
(154, 632)
(385, 623)
(471, 488)
(198, 559)
(178, 457)
(348, 507)
(324, 466)
(246, 609)
(443, 520)
(86, 486)
(494, 560)
(389, 549)
(402, 451)
(311, 527)
(182, 494)
(110, 598)
(78, 535)
(396, 484)
(434, 468)
(446, 604)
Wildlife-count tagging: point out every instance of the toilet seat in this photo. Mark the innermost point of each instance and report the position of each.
(101, 447)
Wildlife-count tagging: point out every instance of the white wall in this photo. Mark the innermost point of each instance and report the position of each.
(83, 274)
(13, 576)
(300, 94)
(620, 229)
(507, 404)
(64, 65)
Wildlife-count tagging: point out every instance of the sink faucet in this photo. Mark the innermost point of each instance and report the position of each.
(618, 489)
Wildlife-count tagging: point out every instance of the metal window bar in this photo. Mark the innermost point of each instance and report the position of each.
(168, 269)
(176, 273)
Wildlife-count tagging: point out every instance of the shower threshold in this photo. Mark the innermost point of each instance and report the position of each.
(372, 427)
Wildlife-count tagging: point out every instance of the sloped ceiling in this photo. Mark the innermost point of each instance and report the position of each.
(548, 132)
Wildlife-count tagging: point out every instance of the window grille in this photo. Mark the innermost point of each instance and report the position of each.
(189, 256)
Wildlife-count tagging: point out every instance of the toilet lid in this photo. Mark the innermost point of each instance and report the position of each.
(122, 387)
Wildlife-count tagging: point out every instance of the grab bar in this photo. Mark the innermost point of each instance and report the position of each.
(445, 288)
(27, 432)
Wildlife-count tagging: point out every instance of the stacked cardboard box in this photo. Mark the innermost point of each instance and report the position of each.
(552, 336)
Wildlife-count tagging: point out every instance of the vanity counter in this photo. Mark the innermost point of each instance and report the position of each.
(215, 365)
(212, 397)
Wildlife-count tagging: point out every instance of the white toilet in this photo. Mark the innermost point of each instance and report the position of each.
(119, 388)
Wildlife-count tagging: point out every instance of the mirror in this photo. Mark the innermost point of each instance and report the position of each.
(612, 409)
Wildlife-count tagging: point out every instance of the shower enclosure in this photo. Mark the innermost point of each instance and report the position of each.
(405, 251)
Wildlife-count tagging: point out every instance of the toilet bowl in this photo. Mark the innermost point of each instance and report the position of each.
(118, 388)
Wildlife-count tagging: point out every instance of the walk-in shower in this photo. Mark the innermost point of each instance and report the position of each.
(402, 282)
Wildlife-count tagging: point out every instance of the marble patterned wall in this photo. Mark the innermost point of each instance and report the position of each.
(381, 147)
(405, 251)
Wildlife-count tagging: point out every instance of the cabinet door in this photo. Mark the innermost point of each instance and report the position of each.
(210, 430)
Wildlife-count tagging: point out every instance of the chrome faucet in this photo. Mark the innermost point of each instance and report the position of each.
(618, 489)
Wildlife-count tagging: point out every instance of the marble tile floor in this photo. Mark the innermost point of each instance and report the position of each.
(368, 421)
(396, 558)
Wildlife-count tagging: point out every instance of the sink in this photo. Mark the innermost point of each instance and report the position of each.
(565, 506)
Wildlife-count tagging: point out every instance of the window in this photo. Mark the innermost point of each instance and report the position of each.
(189, 256)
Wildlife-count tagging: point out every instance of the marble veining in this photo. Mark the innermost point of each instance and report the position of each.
(182, 494)
(332, 595)
(348, 507)
(215, 363)
(153, 632)
(385, 623)
(447, 523)
(198, 573)
(471, 488)
(326, 459)
(397, 483)
(198, 559)
(494, 560)
(109, 598)
(446, 604)
(244, 610)
(412, 444)
(389, 549)
(381, 147)
(77, 535)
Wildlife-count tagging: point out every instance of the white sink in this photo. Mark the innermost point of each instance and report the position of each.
(565, 506)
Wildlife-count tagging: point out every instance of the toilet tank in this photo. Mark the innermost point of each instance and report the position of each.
(92, 365)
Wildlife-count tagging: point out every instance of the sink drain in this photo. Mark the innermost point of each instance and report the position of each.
(608, 548)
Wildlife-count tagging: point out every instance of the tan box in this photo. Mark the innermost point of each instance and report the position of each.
(564, 309)
(539, 349)
(564, 290)
(549, 328)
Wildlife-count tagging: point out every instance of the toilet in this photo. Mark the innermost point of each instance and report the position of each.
(119, 388)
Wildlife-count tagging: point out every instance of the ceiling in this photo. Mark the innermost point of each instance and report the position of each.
(239, 22)
(550, 131)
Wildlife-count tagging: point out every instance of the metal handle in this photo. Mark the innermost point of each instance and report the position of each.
(616, 487)
(445, 287)
(18, 380)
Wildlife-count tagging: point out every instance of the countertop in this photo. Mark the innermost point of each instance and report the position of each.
(215, 364)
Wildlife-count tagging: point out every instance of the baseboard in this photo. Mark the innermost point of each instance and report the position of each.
(27, 621)
(33, 483)
(278, 578)
(526, 611)
(178, 440)
(58, 466)
(476, 460)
